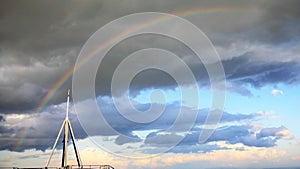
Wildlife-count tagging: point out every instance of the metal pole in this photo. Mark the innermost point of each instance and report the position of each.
(68, 100)
(74, 145)
(59, 133)
(65, 141)
(65, 148)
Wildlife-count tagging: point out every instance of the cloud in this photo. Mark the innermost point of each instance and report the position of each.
(2, 119)
(264, 113)
(277, 25)
(200, 148)
(23, 97)
(265, 137)
(298, 140)
(125, 126)
(121, 139)
(246, 69)
(5, 130)
(247, 135)
(261, 157)
(280, 133)
(276, 92)
(43, 47)
(39, 136)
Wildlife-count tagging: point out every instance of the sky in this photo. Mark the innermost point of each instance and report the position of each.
(158, 119)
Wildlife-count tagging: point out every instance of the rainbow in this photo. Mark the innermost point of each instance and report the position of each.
(62, 80)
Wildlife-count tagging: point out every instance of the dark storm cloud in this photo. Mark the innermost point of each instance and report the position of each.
(250, 68)
(39, 42)
(281, 22)
(35, 26)
(23, 97)
(276, 22)
(245, 69)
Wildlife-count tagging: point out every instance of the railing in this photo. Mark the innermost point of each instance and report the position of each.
(91, 167)
(74, 167)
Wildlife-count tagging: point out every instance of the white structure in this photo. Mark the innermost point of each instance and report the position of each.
(66, 125)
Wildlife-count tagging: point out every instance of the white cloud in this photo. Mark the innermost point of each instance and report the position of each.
(298, 140)
(261, 156)
(276, 92)
(262, 113)
(91, 154)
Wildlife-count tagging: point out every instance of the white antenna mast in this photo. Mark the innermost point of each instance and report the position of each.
(66, 126)
(68, 100)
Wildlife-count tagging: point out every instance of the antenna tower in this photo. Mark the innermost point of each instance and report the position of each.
(66, 126)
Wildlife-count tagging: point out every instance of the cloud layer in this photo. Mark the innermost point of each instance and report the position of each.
(38, 47)
(39, 136)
